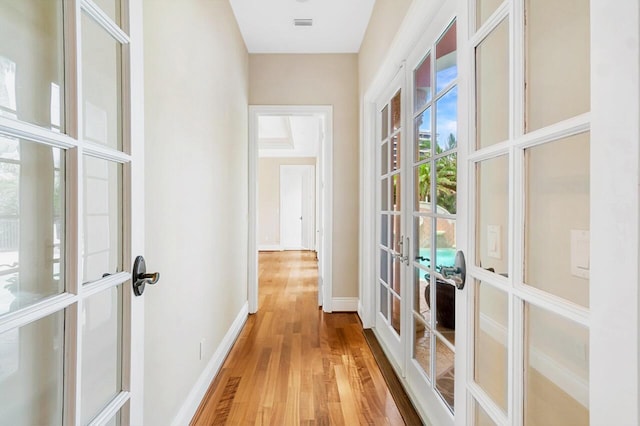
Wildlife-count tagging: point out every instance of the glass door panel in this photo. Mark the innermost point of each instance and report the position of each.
(434, 229)
(31, 373)
(32, 209)
(102, 351)
(557, 218)
(101, 85)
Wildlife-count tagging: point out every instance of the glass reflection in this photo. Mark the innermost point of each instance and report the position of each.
(384, 118)
(422, 82)
(423, 188)
(384, 158)
(395, 112)
(445, 371)
(423, 135)
(447, 184)
(447, 121)
(422, 345)
(446, 60)
(384, 300)
(31, 222)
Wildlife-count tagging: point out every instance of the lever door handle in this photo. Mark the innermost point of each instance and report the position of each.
(150, 278)
(140, 278)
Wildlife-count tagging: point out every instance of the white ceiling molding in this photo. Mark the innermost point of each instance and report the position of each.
(267, 26)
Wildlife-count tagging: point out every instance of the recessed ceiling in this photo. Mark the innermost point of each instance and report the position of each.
(267, 26)
(289, 135)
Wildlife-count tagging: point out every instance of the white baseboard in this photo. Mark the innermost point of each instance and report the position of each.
(193, 400)
(344, 304)
(267, 247)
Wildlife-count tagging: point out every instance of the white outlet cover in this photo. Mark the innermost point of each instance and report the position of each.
(494, 240)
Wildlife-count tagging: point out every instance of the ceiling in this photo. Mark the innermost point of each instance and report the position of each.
(267, 25)
(289, 135)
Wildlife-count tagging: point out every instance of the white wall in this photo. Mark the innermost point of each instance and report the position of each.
(196, 85)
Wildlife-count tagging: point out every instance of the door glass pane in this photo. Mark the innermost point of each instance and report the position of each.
(396, 118)
(422, 345)
(421, 296)
(102, 218)
(396, 239)
(481, 418)
(32, 201)
(556, 369)
(423, 135)
(422, 189)
(445, 243)
(397, 193)
(447, 121)
(396, 282)
(384, 230)
(111, 8)
(384, 266)
(31, 62)
(422, 76)
(384, 300)
(445, 371)
(492, 216)
(422, 230)
(395, 313)
(395, 152)
(557, 61)
(446, 60)
(491, 332)
(101, 85)
(484, 9)
(31, 373)
(101, 351)
(557, 218)
(384, 158)
(384, 117)
(447, 184)
(384, 195)
(492, 87)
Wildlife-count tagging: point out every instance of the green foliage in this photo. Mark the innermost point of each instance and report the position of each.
(446, 176)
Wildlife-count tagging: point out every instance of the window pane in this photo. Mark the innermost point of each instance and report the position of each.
(445, 371)
(396, 233)
(384, 266)
(101, 85)
(492, 217)
(384, 195)
(397, 193)
(31, 62)
(101, 351)
(481, 418)
(111, 8)
(396, 282)
(557, 61)
(447, 184)
(423, 135)
(420, 305)
(491, 332)
(422, 346)
(384, 300)
(492, 87)
(445, 243)
(32, 200)
(446, 60)
(395, 152)
(384, 117)
(422, 75)
(422, 188)
(422, 229)
(395, 313)
(102, 218)
(395, 112)
(484, 9)
(556, 370)
(384, 158)
(447, 121)
(384, 230)
(557, 218)
(31, 373)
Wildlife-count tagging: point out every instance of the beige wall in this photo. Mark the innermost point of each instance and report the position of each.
(385, 21)
(196, 86)
(269, 197)
(330, 79)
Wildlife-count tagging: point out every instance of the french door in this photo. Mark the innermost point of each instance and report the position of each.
(68, 158)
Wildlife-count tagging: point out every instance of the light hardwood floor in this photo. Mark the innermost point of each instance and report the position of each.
(294, 364)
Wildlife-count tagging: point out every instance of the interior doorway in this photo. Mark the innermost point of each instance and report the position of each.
(290, 189)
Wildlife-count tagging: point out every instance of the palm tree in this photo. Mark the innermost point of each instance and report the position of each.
(446, 177)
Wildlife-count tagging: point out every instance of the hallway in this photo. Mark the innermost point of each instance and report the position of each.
(292, 364)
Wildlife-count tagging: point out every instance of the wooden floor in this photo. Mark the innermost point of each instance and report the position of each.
(293, 364)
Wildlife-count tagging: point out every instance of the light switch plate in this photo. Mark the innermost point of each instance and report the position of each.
(580, 253)
(494, 240)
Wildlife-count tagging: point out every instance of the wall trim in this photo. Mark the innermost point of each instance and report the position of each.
(345, 304)
(193, 400)
(267, 247)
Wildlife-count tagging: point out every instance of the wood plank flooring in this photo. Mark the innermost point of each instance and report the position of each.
(293, 364)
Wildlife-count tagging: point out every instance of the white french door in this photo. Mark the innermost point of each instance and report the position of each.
(297, 207)
(70, 217)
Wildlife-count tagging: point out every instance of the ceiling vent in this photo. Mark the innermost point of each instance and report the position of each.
(303, 22)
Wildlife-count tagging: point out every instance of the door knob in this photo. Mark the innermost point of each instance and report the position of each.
(140, 278)
(458, 273)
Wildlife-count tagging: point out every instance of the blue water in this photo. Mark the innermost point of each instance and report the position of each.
(444, 257)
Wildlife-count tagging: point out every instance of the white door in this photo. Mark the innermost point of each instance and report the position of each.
(529, 209)
(70, 218)
(297, 207)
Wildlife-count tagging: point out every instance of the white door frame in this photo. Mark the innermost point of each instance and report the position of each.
(325, 197)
